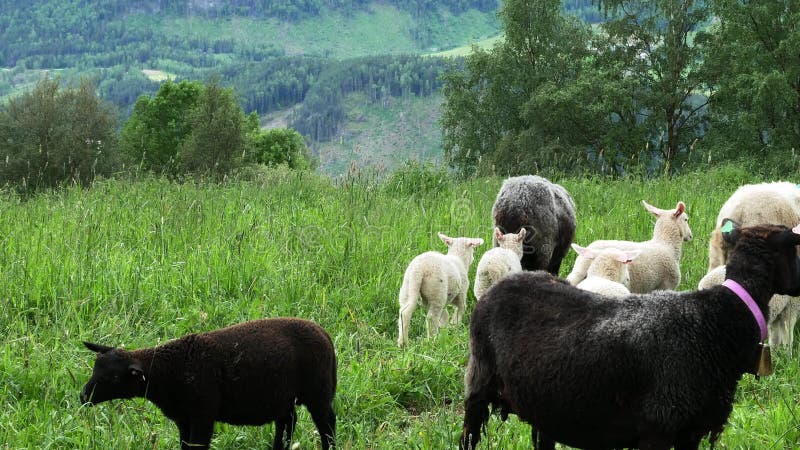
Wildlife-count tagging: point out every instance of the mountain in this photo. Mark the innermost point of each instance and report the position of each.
(327, 67)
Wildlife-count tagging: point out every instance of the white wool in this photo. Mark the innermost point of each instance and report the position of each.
(438, 280)
(608, 272)
(499, 262)
(658, 264)
(783, 311)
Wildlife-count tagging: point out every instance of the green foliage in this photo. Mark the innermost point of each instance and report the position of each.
(416, 178)
(753, 60)
(281, 146)
(483, 125)
(54, 135)
(139, 263)
(159, 126)
(216, 142)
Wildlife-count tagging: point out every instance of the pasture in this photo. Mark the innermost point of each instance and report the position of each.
(137, 263)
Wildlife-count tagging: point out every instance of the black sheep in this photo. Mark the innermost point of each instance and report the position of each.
(648, 371)
(246, 374)
(547, 213)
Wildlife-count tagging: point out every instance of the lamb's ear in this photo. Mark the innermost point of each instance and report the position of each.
(136, 371)
(653, 210)
(679, 209)
(448, 241)
(583, 251)
(475, 242)
(97, 348)
(629, 256)
(521, 234)
(729, 230)
(498, 234)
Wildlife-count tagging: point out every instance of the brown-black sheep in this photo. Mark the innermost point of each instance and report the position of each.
(545, 210)
(246, 374)
(648, 371)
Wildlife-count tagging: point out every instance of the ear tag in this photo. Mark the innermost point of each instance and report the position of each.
(727, 228)
(765, 362)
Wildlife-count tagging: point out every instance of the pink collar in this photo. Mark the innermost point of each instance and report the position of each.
(748, 300)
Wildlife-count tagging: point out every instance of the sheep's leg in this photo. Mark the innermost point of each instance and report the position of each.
(432, 322)
(461, 307)
(407, 306)
(475, 415)
(325, 420)
(654, 441)
(195, 435)
(284, 427)
(540, 441)
(444, 318)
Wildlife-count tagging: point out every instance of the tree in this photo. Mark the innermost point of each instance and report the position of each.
(216, 142)
(56, 134)
(659, 44)
(753, 63)
(281, 146)
(483, 122)
(159, 126)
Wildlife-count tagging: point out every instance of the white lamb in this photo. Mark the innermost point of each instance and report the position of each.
(438, 280)
(608, 273)
(499, 261)
(783, 311)
(658, 265)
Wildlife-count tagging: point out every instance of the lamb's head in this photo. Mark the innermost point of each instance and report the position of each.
(609, 263)
(671, 223)
(116, 374)
(462, 247)
(764, 253)
(510, 241)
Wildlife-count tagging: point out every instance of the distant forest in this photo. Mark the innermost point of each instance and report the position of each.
(95, 37)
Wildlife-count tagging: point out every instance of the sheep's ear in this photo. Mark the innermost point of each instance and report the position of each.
(97, 348)
(653, 210)
(498, 234)
(730, 231)
(521, 234)
(447, 240)
(136, 371)
(583, 251)
(679, 209)
(475, 242)
(629, 256)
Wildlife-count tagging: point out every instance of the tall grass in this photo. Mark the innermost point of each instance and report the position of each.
(138, 263)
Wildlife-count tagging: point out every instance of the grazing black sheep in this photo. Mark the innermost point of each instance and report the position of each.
(246, 374)
(547, 213)
(648, 371)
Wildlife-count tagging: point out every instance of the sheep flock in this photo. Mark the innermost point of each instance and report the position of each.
(609, 357)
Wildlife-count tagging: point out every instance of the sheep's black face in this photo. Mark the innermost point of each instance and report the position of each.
(115, 375)
(788, 278)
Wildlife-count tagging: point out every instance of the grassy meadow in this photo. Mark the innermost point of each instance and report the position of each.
(137, 263)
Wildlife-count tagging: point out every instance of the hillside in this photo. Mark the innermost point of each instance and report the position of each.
(277, 55)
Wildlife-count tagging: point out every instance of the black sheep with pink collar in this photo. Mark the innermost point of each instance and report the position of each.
(651, 371)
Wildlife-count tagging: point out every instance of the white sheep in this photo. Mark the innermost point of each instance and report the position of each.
(658, 265)
(499, 261)
(438, 280)
(755, 204)
(783, 311)
(608, 273)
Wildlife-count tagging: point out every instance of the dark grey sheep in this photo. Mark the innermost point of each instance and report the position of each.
(246, 374)
(547, 213)
(648, 371)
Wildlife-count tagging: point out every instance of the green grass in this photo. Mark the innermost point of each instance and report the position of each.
(136, 263)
